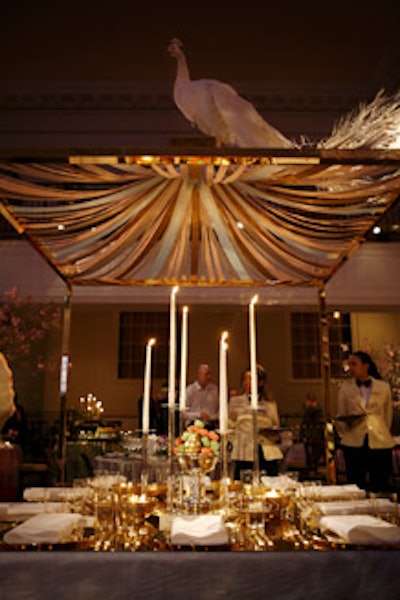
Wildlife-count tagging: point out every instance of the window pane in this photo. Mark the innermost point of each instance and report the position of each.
(306, 352)
(135, 329)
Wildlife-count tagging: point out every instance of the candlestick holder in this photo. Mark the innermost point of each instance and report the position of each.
(171, 437)
(256, 462)
(224, 482)
(181, 421)
(170, 472)
(144, 475)
(224, 454)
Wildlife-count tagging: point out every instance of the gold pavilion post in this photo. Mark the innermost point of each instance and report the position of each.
(64, 369)
(326, 391)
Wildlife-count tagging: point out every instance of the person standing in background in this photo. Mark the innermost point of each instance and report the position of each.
(365, 413)
(312, 433)
(202, 400)
(241, 419)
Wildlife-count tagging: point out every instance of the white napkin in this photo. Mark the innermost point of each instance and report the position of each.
(45, 528)
(279, 482)
(351, 507)
(36, 494)
(361, 529)
(24, 510)
(200, 530)
(55, 494)
(326, 492)
(4, 506)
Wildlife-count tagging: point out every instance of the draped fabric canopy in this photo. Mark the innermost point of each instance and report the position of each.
(201, 221)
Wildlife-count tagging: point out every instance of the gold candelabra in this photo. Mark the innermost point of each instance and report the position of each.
(91, 407)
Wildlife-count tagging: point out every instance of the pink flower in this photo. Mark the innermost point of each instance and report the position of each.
(24, 326)
(13, 293)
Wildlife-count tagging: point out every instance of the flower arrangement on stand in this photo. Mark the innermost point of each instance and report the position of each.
(390, 369)
(26, 327)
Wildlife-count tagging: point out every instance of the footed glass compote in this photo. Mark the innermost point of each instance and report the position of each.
(194, 466)
(197, 453)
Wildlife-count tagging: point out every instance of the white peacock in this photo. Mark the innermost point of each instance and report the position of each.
(217, 110)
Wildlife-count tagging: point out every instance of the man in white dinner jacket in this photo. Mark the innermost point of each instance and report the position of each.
(365, 413)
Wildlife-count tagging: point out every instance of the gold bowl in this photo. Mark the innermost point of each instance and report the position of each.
(190, 461)
(135, 509)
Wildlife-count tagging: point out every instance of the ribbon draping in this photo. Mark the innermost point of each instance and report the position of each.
(131, 224)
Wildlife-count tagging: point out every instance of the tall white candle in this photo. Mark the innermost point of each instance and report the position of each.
(223, 383)
(253, 354)
(172, 348)
(184, 355)
(147, 386)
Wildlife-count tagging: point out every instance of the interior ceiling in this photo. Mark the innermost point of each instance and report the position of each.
(299, 43)
(200, 221)
(95, 224)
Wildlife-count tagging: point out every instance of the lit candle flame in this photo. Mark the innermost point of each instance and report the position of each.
(254, 300)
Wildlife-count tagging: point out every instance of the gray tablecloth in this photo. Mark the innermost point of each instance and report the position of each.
(333, 575)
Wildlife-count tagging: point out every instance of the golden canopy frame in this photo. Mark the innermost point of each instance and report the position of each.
(231, 219)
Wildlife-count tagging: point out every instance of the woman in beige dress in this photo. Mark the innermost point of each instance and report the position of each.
(241, 420)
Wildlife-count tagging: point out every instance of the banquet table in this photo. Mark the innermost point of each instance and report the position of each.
(332, 575)
(81, 455)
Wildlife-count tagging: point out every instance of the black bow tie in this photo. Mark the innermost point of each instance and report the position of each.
(367, 383)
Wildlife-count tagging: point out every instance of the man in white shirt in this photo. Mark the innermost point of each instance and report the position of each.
(202, 400)
(7, 406)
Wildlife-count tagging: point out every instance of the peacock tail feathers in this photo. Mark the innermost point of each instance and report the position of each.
(374, 124)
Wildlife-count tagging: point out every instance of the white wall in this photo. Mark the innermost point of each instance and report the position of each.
(368, 279)
(367, 285)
